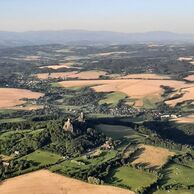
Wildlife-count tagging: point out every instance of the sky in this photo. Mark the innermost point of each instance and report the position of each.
(98, 15)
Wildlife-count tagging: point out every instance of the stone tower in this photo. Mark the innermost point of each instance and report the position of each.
(81, 118)
(68, 127)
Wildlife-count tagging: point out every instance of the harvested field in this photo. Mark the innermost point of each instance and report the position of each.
(145, 76)
(73, 74)
(11, 97)
(58, 66)
(188, 119)
(88, 74)
(135, 89)
(189, 78)
(62, 75)
(153, 156)
(187, 94)
(45, 182)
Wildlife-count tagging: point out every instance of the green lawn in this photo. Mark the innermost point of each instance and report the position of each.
(42, 157)
(12, 120)
(130, 177)
(176, 174)
(113, 98)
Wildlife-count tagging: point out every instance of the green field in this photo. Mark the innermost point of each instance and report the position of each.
(175, 192)
(131, 178)
(113, 98)
(8, 135)
(150, 102)
(82, 164)
(42, 157)
(178, 174)
(93, 115)
(7, 111)
(117, 131)
(12, 120)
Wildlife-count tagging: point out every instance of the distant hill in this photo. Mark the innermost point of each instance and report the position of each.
(10, 39)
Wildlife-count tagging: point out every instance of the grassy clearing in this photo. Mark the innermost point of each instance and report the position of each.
(113, 98)
(7, 111)
(55, 84)
(42, 157)
(116, 131)
(174, 192)
(12, 120)
(99, 116)
(130, 177)
(72, 166)
(150, 102)
(8, 135)
(178, 174)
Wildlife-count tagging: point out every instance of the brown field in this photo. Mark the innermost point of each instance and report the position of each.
(190, 78)
(136, 89)
(63, 75)
(145, 76)
(153, 156)
(58, 66)
(45, 182)
(188, 119)
(11, 97)
(88, 74)
(188, 94)
(73, 74)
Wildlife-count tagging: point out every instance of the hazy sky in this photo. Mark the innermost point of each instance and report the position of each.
(113, 15)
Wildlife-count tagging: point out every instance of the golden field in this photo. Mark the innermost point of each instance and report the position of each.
(46, 182)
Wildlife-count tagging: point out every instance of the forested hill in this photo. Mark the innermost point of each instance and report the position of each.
(88, 37)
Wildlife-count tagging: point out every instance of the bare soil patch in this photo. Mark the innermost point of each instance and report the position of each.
(45, 182)
(153, 156)
(11, 97)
